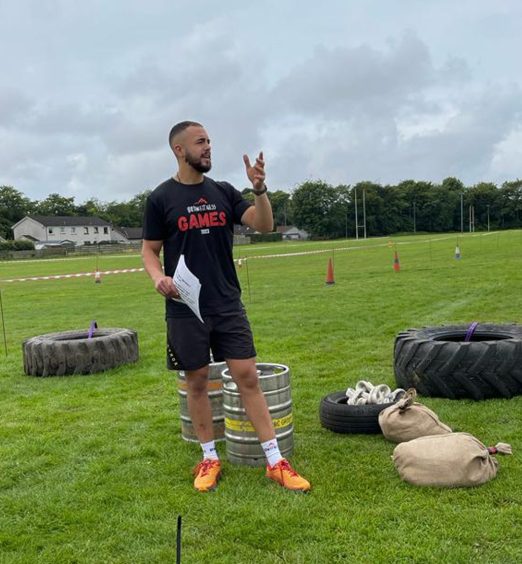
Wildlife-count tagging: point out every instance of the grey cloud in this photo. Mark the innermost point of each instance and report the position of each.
(118, 177)
(13, 105)
(93, 104)
(455, 70)
(369, 148)
(202, 76)
(353, 99)
(135, 116)
(49, 118)
(339, 82)
(470, 139)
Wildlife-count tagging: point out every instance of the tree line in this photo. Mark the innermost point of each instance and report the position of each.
(330, 212)
(323, 210)
(14, 206)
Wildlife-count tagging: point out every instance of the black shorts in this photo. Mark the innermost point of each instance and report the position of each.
(189, 342)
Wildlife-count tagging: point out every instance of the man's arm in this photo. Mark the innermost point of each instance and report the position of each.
(150, 253)
(259, 216)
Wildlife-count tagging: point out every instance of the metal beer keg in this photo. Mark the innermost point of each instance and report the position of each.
(242, 444)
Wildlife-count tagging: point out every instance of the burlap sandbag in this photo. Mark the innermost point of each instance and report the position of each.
(406, 420)
(452, 460)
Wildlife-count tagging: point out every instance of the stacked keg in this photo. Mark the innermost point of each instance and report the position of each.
(215, 394)
(229, 417)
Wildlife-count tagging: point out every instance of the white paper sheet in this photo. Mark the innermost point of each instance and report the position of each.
(188, 286)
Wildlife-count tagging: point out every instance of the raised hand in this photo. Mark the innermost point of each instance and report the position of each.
(256, 172)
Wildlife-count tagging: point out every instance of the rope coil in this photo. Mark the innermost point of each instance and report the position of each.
(366, 393)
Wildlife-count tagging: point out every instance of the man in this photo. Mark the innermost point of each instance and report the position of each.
(193, 216)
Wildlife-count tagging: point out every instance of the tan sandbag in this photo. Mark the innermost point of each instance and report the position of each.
(452, 460)
(407, 420)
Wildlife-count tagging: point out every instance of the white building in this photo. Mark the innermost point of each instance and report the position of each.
(62, 230)
(127, 234)
(293, 233)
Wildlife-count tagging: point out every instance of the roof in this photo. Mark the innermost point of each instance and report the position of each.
(131, 232)
(69, 221)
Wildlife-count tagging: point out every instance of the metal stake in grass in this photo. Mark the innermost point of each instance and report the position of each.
(3, 323)
(248, 280)
(178, 542)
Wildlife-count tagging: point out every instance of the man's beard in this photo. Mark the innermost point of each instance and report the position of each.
(196, 164)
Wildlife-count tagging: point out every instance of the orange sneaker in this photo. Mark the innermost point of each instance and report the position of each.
(284, 474)
(207, 474)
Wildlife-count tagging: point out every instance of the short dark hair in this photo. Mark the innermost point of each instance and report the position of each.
(181, 126)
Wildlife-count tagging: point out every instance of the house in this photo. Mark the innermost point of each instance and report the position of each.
(292, 233)
(127, 234)
(62, 230)
(242, 234)
(243, 230)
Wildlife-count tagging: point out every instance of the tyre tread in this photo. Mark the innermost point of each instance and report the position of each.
(481, 369)
(71, 352)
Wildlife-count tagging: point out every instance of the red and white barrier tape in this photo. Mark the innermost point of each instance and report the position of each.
(78, 275)
(280, 255)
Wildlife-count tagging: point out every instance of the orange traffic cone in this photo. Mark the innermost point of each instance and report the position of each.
(329, 273)
(396, 263)
(97, 277)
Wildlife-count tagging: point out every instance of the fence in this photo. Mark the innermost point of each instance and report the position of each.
(117, 248)
(114, 249)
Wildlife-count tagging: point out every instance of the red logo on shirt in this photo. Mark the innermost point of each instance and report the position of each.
(201, 202)
(202, 220)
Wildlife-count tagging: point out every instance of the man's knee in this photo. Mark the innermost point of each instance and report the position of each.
(197, 381)
(244, 374)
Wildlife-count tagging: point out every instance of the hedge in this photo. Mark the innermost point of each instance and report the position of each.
(266, 237)
(18, 245)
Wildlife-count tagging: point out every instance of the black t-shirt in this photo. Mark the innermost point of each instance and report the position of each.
(197, 220)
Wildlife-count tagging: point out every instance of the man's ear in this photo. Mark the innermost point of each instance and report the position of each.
(177, 149)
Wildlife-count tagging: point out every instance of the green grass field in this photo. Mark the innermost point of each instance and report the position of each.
(93, 468)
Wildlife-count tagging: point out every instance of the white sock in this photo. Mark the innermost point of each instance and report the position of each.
(209, 450)
(273, 456)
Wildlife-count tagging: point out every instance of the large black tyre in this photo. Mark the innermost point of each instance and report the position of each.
(335, 414)
(438, 362)
(73, 352)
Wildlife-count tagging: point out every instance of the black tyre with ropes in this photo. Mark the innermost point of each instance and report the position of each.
(454, 362)
(335, 414)
(77, 352)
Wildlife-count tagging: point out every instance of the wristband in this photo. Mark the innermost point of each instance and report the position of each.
(260, 192)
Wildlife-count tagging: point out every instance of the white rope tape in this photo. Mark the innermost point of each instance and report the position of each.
(366, 393)
(77, 275)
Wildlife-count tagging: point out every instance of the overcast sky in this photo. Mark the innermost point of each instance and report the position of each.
(339, 90)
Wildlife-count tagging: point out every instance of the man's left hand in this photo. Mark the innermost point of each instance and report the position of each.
(256, 172)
